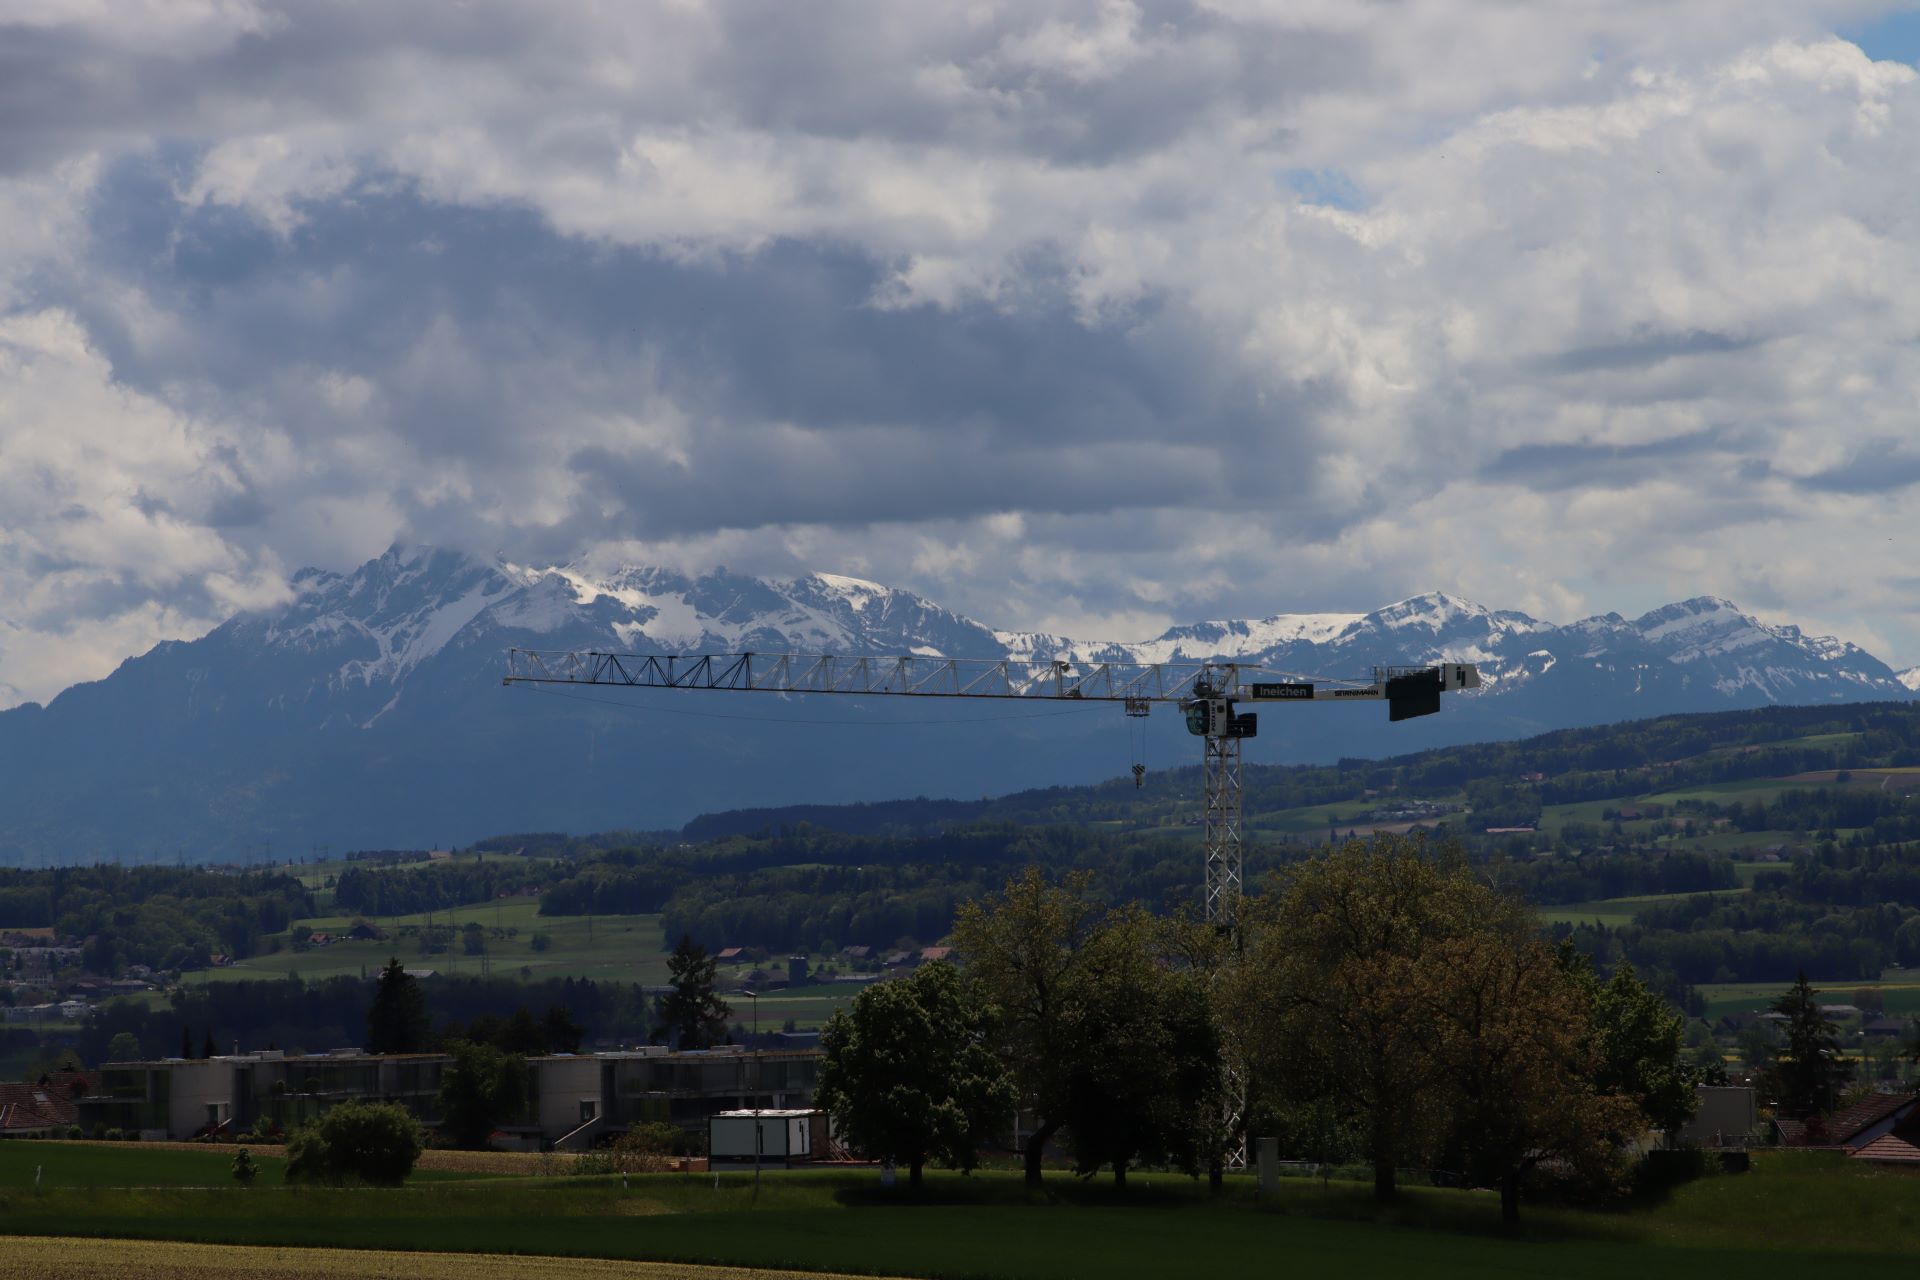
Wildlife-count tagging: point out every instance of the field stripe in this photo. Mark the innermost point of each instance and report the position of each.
(78, 1258)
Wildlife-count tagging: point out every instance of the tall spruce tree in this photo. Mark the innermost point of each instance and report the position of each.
(397, 1021)
(692, 1015)
(1808, 1075)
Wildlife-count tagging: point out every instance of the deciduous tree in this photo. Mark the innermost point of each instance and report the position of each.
(480, 1089)
(1140, 1052)
(1638, 1036)
(1024, 948)
(1334, 994)
(909, 1073)
(1517, 1062)
(371, 1142)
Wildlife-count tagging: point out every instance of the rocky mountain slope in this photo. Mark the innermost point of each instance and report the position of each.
(369, 711)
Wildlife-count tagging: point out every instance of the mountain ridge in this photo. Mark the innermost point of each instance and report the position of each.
(367, 711)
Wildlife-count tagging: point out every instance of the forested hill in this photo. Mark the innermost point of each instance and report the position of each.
(1573, 764)
(1751, 844)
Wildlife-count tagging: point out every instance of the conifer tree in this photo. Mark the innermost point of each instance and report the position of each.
(1808, 1075)
(397, 1021)
(691, 1014)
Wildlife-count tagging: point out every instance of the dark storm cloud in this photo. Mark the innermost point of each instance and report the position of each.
(490, 339)
(830, 70)
(1644, 350)
(1553, 467)
(1883, 466)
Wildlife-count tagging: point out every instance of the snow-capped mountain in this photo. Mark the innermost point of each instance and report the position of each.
(368, 712)
(1910, 678)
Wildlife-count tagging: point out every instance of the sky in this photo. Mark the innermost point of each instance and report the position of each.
(1089, 317)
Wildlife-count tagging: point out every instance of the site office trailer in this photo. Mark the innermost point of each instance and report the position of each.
(771, 1137)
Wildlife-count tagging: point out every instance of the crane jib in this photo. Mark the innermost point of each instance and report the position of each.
(1262, 692)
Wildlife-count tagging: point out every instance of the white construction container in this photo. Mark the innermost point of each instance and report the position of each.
(772, 1137)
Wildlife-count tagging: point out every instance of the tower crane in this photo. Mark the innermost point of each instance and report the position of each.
(1209, 693)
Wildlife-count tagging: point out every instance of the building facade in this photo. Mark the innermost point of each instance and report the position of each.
(576, 1099)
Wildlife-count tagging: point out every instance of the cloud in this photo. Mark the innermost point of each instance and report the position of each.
(1078, 314)
(115, 512)
(1881, 466)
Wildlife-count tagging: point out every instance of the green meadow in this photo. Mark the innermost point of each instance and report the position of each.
(1792, 1216)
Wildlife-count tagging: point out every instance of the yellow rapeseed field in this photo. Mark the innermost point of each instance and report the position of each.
(70, 1258)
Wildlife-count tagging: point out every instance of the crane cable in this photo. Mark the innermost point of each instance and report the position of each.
(1137, 750)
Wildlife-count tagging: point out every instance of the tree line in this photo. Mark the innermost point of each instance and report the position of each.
(1378, 1002)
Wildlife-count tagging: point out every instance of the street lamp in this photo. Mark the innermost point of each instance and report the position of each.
(759, 1132)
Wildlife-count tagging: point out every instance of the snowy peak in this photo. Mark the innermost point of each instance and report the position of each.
(1910, 678)
(1434, 611)
(374, 628)
(1235, 638)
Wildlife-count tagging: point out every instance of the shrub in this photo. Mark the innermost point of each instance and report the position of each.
(646, 1148)
(370, 1142)
(114, 1135)
(244, 1169)
(541, 942)
(75, 1133)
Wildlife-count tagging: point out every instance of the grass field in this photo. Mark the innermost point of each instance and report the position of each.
(64, 1164)
(1794, 1215)
(1614, 912)
(1900, 989)
(614, 948)
(605, 948)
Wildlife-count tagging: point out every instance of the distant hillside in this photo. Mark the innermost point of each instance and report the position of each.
(368, 712)
(1606, 761)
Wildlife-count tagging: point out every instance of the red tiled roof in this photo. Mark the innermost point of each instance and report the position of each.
(1844, 1125)
(1848, 1121)
(43, 1103)
(1887, 1149)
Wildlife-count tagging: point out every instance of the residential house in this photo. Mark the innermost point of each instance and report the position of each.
(1849, 1128)
(43, 1108)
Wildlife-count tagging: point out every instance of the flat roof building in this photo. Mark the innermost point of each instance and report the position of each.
(576, 1099)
